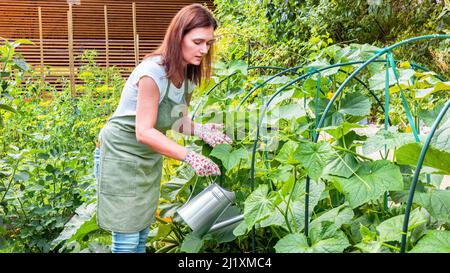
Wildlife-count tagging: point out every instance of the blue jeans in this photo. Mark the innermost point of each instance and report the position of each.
(129, 242)
(96, 162)
(123, 242)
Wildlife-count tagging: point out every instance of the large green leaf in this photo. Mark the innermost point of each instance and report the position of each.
(391, 229)
(371, 180)
(341, 129)
(344, 165)
(328, 238)
(434, 241)
(429, 116)
(409, 155)
(280, 174)
(314, 157)
(386, 138)
(440, 86)
(287, 155)
(223, 69)
(436, 202)
(278, 99)
(163, 230)
(297, 203)
(441, 138)
(355, 104)
(293, 243)
(175, 186)
(258, 206)
(325, 238)
(192, 243)
(238, 66)
(229, 157)
(333, 117)
(287, 112)
(377, 81)
(339, 216)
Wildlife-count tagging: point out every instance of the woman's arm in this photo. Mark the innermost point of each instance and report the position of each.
(146, 116)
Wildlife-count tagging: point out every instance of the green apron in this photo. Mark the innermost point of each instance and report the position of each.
(130, 173)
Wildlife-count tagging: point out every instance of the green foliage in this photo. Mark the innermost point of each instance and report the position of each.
(46, 146)
(347, 184)
(293, 32)
(46, 156)
(434, 241)
(13, 70)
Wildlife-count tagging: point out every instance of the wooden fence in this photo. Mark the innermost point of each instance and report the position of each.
(121, 32)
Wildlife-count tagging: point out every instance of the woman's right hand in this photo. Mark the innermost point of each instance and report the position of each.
(202, 165)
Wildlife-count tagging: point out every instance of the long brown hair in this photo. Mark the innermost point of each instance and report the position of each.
(188, 18)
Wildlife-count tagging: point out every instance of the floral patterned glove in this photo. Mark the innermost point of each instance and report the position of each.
(211, 133)
(202, 165)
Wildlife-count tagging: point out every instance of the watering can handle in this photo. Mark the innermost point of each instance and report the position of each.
(211, 181)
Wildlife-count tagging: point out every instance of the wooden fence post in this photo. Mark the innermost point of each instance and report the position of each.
(105, 9)
(136, 56)
(41, 45)
(106, 36)
(71, 59)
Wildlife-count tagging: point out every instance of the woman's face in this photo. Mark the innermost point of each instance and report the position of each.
(196, 43)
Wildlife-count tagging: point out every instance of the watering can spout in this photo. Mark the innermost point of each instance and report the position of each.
(226, 223)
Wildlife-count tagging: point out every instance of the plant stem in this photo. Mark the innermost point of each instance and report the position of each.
(290, 196)
(391, 246)
(343, 138)
(285, 218)
(23, 210)
(352, 152)
(54, 190)
(10, 180)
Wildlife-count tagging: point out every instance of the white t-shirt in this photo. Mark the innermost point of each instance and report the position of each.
(149, 67)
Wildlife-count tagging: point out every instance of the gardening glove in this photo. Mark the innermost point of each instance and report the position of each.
(202, 165)
(211, 133)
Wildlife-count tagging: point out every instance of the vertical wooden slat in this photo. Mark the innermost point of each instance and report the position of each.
(105, 9)
(71, 59)
(137, 48)
(41, 44)
(136, 57)
(106, 36)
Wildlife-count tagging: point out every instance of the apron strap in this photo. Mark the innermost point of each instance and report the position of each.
(168, 85)
(167, 89)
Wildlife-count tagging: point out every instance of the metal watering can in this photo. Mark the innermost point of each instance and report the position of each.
(201, 212)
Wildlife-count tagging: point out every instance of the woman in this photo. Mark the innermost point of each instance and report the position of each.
(133, 140)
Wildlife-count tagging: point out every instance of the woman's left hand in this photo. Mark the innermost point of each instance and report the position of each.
(211, 133)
